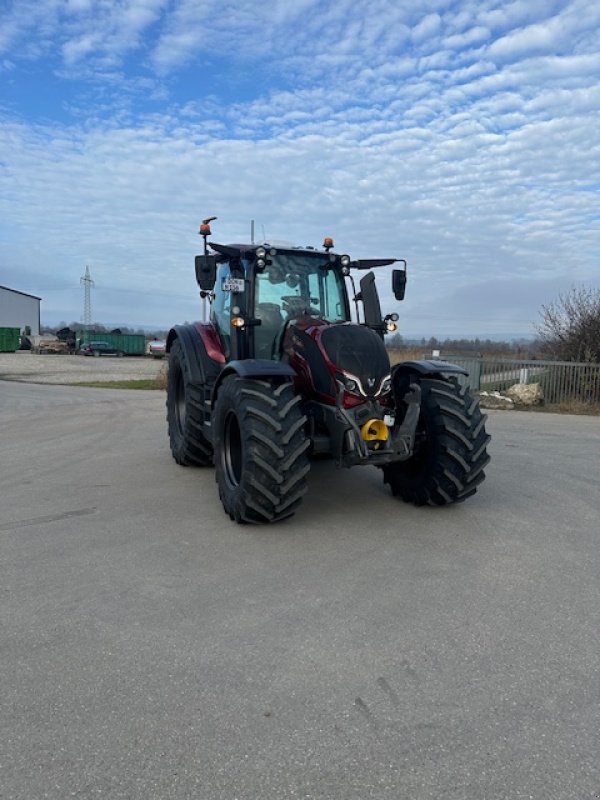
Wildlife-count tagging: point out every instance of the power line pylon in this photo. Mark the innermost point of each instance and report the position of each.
(87, 283)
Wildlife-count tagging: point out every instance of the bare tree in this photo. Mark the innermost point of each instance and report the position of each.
(569, 329)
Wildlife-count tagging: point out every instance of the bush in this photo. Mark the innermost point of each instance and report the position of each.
(570, 327)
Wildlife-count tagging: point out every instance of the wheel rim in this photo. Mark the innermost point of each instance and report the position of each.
(180, 402)
(232, 450)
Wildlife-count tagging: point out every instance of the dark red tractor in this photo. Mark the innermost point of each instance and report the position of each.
(280, 374)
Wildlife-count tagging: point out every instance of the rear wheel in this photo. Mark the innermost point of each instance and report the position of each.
(450, 448)
(185, 416)
(260, 450)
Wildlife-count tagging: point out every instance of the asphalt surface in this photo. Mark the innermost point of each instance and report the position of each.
(151, 648)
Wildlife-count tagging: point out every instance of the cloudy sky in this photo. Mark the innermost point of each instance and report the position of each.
(462, 135)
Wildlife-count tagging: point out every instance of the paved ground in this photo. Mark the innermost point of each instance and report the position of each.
(364, 649)
(64, 369)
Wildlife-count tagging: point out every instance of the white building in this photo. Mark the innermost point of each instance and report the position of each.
(17, 310)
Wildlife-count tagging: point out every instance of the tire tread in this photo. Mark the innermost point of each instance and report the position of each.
(449, 466)
(189, 445)
(274, 447)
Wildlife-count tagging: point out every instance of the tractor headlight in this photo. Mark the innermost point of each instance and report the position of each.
(390, 321)
(386, 385)
(260, 252)
(350, 383)
(345, 261)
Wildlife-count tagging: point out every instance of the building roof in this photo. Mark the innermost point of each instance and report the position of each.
(16, 291)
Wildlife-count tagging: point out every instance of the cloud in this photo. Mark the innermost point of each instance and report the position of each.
(460, 136)
(426, 28)
(472, 36)
(553, 35)
(79, 29)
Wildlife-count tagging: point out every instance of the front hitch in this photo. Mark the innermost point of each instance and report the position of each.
(350, 447)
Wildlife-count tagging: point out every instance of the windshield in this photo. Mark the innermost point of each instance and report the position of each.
(295, 284)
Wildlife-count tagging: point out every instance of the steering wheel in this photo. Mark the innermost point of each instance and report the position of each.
(295, 305)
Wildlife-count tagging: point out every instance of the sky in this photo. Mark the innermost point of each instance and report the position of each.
(461, 135)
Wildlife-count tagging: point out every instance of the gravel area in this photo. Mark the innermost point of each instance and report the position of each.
(65, 369)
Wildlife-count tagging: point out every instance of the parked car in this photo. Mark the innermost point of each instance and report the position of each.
(157, 348)
(99, 349)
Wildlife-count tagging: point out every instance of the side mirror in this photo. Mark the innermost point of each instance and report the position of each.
(371, 305)
(206, 272)
(399, 283)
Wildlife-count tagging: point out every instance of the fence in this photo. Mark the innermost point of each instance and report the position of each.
(561, 381)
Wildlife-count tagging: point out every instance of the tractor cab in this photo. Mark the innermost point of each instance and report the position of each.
(259, 292)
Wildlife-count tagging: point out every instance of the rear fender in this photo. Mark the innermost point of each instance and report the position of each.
(203, 359)
(254, 368)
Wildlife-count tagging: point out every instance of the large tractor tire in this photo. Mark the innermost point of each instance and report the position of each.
(450, 448)
(189, 445)
(260, 449)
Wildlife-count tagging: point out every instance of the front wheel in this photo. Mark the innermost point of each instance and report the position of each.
(450, 448)
(260, 450)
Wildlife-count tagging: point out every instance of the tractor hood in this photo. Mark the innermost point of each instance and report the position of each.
(359, 352)
(349, 354)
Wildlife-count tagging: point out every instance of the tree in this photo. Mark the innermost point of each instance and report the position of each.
(569, 329)
(395, 340)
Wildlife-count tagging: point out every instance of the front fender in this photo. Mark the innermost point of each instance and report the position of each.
(428, 367)
(202, 367)
(406, 371)
(253, 368)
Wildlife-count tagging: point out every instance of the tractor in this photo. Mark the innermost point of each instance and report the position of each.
(281, 372)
